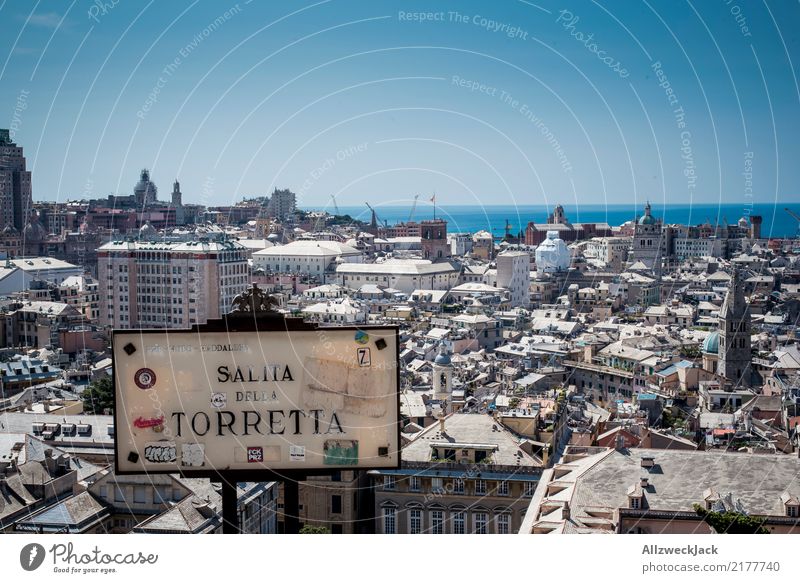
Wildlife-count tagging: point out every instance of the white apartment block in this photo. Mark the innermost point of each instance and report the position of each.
(609, 250)
(282, 203)
(686, 247)
(405, 275)
(514, 274)
(46, 269)
(169, 284)
(313, 258)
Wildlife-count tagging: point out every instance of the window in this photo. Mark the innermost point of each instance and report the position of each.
(436, 484)
(458, 486)
(139, 494)
(502, 489)
(636, 503)
(415, 484)
(437, 522)
(119, 495)
(791, 511)
(480, 487)
(529, 489)
(503, 523)
(389, 483)
(459, 522)
(480, 522)
(415, 521)
(336, 504)
(389, 524)
(163, 494)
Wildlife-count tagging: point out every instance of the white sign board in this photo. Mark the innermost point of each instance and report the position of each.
(227, 401)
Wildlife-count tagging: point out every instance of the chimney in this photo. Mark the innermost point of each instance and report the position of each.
(644, 482)
(565, 511)
(441, 425)
(619, 443)
(648, 462)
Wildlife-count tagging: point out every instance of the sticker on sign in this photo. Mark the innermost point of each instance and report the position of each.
(297, 453)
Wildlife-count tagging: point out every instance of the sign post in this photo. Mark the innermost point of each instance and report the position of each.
(256, 396)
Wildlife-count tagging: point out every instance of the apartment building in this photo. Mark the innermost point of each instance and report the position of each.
(464, 474)
(169, 284)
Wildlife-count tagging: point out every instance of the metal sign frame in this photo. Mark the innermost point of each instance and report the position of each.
(237, 322)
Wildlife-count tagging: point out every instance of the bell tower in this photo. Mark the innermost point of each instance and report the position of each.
(443, 376)
(734, 334)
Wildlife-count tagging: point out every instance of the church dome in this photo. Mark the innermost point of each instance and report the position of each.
(711, 343)
(34, 231)
(147, 231)
(647, 220)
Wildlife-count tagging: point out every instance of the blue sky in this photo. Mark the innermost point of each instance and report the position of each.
(481, 102)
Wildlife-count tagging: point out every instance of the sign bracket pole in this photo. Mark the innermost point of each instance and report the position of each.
(291, 506)
(230, 513)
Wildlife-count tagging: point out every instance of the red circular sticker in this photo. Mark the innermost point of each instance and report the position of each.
(144, 378)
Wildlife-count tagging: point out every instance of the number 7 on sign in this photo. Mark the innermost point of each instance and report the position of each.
(364, 357)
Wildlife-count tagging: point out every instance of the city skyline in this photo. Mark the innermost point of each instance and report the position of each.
(522, 103)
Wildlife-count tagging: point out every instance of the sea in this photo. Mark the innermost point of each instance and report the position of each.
(776, 221)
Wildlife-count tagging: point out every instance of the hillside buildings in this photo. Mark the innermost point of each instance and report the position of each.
(625, 375)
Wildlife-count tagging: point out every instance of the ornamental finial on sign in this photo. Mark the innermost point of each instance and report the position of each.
(255, 301)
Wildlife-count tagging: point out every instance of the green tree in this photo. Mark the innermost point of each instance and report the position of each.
(731, 522)
(310, 529)
(99, 396)
(689, 351)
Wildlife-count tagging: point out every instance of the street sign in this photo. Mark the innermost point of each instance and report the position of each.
(196, 402)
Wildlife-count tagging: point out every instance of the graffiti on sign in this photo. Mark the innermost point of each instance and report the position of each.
(160, 452)
(154, 423)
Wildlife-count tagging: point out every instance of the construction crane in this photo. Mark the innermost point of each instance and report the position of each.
(335, 206)
(795, 216)
(413, 208)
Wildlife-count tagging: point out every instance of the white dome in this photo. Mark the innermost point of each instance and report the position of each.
(552, 254)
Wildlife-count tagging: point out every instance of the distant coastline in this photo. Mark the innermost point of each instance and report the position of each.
(472, 218)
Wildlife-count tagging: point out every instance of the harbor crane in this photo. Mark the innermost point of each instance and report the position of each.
(375, 220)
(335, 205)
(413, 208)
